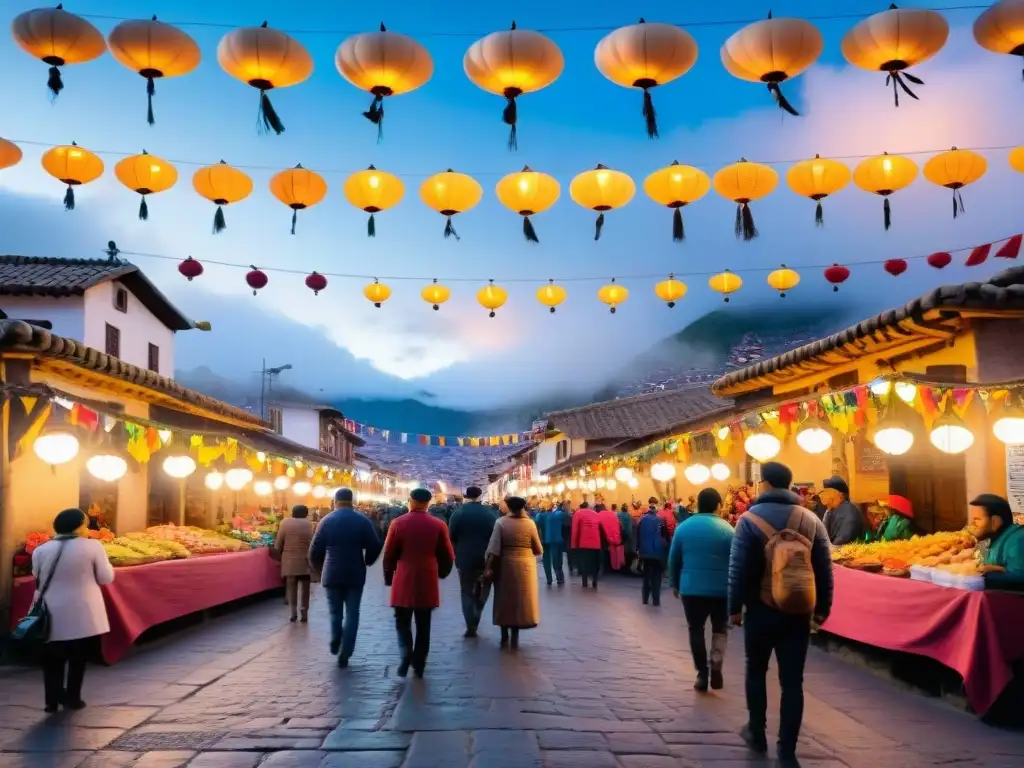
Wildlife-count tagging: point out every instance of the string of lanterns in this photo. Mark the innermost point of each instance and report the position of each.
(513, 62)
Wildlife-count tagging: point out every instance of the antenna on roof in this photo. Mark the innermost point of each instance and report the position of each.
(112, 250)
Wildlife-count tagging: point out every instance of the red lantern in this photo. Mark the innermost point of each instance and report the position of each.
(256, 279)
(1011, 248)
(190, 268)
(316, 283)
(836, 274)
(896, 267)
(939, 260)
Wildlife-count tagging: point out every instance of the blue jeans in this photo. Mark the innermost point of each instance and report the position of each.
(553, 559)
(343, 602)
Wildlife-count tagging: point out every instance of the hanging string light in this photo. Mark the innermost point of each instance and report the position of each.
(884, 175)
(551, 295)
(528, 193)
(57, 38)
(817, 179)
(377, 292)
(491, 297)
(602, 189)
(670, 291)
(954, 170)
(612, 294)
(222, 185)
(743, 183)
(72, 165)
(783, 279)
(373, 191)
(725, 283)
(676, 187)
(436, 294)
(146, 174)
(298, 188)
(450, 194)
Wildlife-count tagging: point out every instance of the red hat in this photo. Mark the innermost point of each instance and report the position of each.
(902, 505)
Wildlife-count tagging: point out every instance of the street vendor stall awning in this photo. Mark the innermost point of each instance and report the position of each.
(587, 456)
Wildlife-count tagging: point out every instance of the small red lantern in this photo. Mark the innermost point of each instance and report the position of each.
(1011, 248)
(256, 279)
(190, 268)
(939, 260)
(316, 283)
(837, 274)
(896, 267)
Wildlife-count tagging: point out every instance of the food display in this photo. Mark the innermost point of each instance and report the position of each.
(949, 558)
(253, 527)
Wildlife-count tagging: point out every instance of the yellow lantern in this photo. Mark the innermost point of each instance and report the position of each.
(451, 193)
(743, 183)
(527, 193)
(153, 50)
(491, 296)
(298, 188)
(895, 40)
(954, 170)
(645, 56)
(436, 294)
(1000, 28)
(773, 51)
(675, 187)
(883, 175)
(10, 154)
(221, 185)
(1017, 159)
(265, 59)
(384, 64)
(57, 38)
(670, 291)
(783, 280)
(72, 165)
(612, 294)
(512, 63)
(146, 174)
(377, 292)
(373, 191)
(602, 189)
(551, 295)
(725, 283)
(817, 179)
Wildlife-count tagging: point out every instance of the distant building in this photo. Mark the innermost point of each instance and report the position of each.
(315, 426)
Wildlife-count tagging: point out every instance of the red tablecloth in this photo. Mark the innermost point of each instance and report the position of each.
(978, 634)
(146, 595)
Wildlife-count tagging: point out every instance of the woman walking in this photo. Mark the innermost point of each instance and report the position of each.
(292, 547)
(512, 567)
(586, 541)
(69, 571)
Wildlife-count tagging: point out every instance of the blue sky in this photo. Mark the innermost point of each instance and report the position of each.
(339, 343)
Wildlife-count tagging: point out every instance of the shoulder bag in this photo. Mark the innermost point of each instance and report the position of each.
(36, 626)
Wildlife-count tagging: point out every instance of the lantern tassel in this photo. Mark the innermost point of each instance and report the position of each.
(295, 219)
(509, 116)
(150, 91)
(219, 225)
(528, 231)
(737, 227)
(781, 100)
(887, 214)
(598, 226)
(267, 119)
(143, 210)
(958, 203)
(55, 82)
(819, 215)
(69, 199)
(650, 116)
(898, 84)
(371, 227)
(375, 114)
(449, 230)
(678, 233)
(749, 229)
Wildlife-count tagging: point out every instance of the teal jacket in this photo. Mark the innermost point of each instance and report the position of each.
(698, 560)
(1006, 550)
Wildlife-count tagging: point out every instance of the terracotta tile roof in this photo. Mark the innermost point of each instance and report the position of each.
(1004, 291)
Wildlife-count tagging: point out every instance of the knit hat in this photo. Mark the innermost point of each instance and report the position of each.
(836, 483)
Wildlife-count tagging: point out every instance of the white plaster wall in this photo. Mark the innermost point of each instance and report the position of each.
(66, 313)
(139, 328)
(545, 455)
(301, 425)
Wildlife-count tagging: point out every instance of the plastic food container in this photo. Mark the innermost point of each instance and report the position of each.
(921, 573)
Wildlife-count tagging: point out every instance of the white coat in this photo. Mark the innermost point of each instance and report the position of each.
(74, 598)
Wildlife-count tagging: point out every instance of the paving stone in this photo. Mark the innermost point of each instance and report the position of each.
(264, 743)
(572, 740)
(449, 749)
(578, 759)
(652, 761)
(363, 760)
(294, 759)
(636, 744)
(368, 741)
(709, 752)
(226, 760)
(163, 759)
(53, 760)
(106, 758)
(109, 717)
(54, 738)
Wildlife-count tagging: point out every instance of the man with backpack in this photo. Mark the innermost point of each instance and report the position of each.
(780, 570)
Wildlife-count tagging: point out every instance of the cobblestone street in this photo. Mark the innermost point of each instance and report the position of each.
(605, 682)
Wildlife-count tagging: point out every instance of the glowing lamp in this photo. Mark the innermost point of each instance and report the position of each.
(697, 474)
(723, 432)
(950, 435)
(237, 479)
(893, 438)
(881, 387)
(720, 471)
(302, 488)
(633, 482)
(107, 467)
(180, 466)
(623, 474)
(319, 492)
(611, 485)
(762, 446)
(814, 439)
(531, 491)
(571, 483)
(906, 391)
(601, 482)
(591, 485)
(560, 489)
(56, 447)
(663, 471)
(214, 481)
(263, 487)
(1009, 428)
(282, 482)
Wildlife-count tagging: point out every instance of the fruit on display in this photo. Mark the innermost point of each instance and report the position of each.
(34, 540)
(949, 550)
(198, 541)
(121, 556)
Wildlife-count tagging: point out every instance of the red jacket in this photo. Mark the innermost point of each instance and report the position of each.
(586, 530)
(670, 521)
(611, 527)
(416, 553)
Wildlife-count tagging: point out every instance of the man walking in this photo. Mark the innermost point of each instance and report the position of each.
(652, 544)
(780, 570)
(552, 536)
(344, 544)
(470, 532)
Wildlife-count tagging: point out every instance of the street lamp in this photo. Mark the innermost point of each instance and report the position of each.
(267, 383)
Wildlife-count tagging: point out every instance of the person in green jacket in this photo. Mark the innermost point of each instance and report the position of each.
(992, 519)
(897, 525)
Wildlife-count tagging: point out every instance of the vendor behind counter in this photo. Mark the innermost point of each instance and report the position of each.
(992, 520)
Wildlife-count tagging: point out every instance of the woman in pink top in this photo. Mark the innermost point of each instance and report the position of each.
(586, 540)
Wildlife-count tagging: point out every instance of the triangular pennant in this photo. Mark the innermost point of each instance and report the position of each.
(1010, 249)
(979, 255)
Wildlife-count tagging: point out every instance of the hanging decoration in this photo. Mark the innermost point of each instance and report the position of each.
(612, 294)
(954, 170)
(1011, 248)
(978, 255)
(316, 282)
(190, 269)
(645, 56)
(773, 51)
(373, 191)
(511, 63)
(725, 283)
(551, 295)
(528, 193)
(436, 294)
(146, 174)
(675, 187)
(895, 40)
(10, 154)
(743, 183)
(817, 179)
(377, 292)
(939, 260)
(265, 59)
(298, 188)
(106, 467)
(602, 189)
(783, 279)
(1017, 159)
(1000, 28)
(762, 445)
(222, 185)
(384, 64)
(950, 435)
(895, 267)
(837, 274)
(450, 194)
(814, 437)
(72, 165)
(491, 296)
(670, 291)
(153, 50)
(892, 437)
(885, 175)
(256, 279)
(57, 38)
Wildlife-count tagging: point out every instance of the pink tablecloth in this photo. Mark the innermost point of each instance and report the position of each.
(978, 634)
(146, 595)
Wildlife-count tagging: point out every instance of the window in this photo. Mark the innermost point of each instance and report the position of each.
(120, 299)
(274, 416)
(561, 450)
(154, 358)
(113, 341)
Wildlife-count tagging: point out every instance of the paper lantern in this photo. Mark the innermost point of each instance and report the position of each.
(72, 165)
(939, 260)
(725, 283)
(783, 279)
(762, 446)
(895, 40)
(190, 268)
(675, 187)
(950, 435)
(623, 474)
(895, 267)
(265, 59)
(56, 447)
(697, 474)
(373, 191)
(602, 189)
(884, 175)
(57, 38)
(663, 471)
(528, 193)
(1000, 28)
(213, 481)
(906, 391)
(814, 438)
(551, 295)
(10, 154)
(773, 51)
(153, 50)
(302, 488)
(670, 291)
(449, 194)
(180, 466)
(256, 279)
(146, 174)
(237, 479)
(319, 491)
(377, 292)
(893, 438)
(282, 483)
(645, 56)
(491, 296)
(384, 64)
(1009, 427)
(511, 63)
(316, 282)
(262, 487)
(221, 185)
(954, 170)
(837, 274)
(720, 471)
(743, 183)
(817, 179)
(298, 188)
(1016, 158)
(612, 294)
(436, 294)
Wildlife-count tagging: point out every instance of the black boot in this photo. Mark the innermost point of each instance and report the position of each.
(504, 637)
(701, 684)
(515, 638)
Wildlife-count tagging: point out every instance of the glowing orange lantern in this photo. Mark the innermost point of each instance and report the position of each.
(675, 187)
(1000, 28)
(57, 38)
(528, 193)
(10, 154)
(146, 174)
(72, 165)
(373, 191)
(298, 188)
(602, 189)
(670, 291)
(551, 295)
(491, 296)
(817, 179)
(885, 175)
(449, 194)
(954, 170)
(221, 185)
(436, 294)
(744, 183)
(612, 294)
